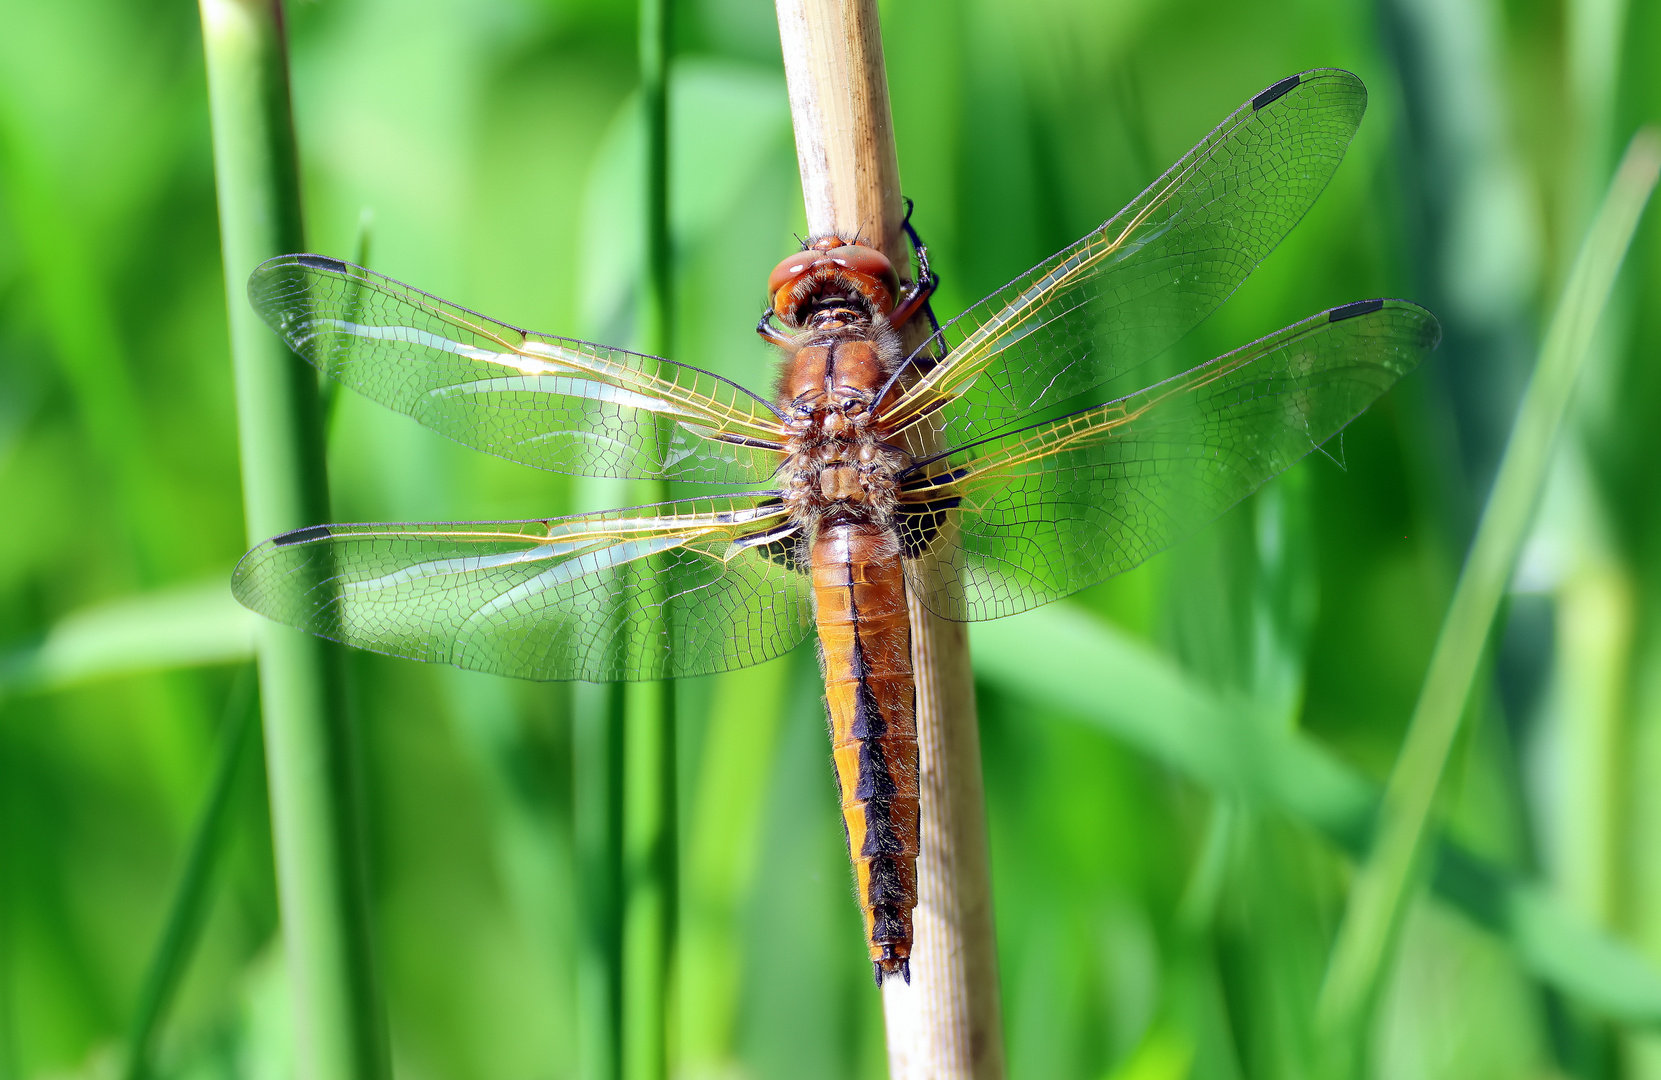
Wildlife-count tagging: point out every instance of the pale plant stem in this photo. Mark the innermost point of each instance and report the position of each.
(945, 1023)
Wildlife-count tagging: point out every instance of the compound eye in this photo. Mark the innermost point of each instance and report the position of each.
(790, 268)
(868, 261)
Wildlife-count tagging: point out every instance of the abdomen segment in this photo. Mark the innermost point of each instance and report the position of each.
(865, 646)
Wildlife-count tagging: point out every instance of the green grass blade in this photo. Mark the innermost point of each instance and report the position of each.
(649, 873)
(725, 831)
(650, 829)
(327, 386)
(1141, 697)
(314, 808)
(597, 819)
(655, 31)
(189, 907)
(1383, 882)
(184, 626)
(81, 317)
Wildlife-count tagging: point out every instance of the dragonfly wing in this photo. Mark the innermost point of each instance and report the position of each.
(1019, 520)
(1131, 288)
(554, 403)
(650, 592)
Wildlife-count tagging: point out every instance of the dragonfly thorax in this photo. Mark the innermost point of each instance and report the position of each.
(838, 462)
(829, 386)
(851, 479)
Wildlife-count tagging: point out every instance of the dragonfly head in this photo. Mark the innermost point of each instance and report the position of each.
(832, 283)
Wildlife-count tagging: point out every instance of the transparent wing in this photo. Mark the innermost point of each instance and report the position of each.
(1128, 290)
(651, 592)
(554, 403)
(1017, 521)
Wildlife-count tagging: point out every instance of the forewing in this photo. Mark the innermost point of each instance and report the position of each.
(651, 592)
(1128, 290)
(570, 406)
(1017, 521)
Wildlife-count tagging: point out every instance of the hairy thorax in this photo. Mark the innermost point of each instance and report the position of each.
(839, 469)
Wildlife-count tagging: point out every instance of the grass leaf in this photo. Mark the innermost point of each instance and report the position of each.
(1384, 882)
(1140, 696)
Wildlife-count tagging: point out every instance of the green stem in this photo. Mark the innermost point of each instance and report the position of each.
(649, 877)
(649, 813)
(597, 817)
(190, 901)
(328, 387)
(310, 757)
(654, 94)
(1384, 882)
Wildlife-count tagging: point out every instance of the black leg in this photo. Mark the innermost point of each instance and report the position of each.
(913, 298)
(925, 273)
(770, 333)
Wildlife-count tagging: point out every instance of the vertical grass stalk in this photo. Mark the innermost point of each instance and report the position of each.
(649, 812)
(1596, 594)
(1384, 883)
(10, 933)
(597, 794)
(317, 833)
(649, 877)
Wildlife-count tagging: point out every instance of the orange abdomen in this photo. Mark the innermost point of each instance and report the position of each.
(865, 644)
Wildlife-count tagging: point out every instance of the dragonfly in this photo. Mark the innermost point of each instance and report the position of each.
(956, 473)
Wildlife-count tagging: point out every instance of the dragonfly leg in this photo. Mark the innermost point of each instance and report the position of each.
(914, 295)
(771, 334)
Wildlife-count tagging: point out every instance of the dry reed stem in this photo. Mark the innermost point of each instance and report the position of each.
(946, 1022)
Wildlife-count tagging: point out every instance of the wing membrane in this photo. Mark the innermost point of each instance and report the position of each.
(650, 592)
(1125, 292)
(569, 406)
(1044, 512)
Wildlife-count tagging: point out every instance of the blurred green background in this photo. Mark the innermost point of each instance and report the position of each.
(1165, 893)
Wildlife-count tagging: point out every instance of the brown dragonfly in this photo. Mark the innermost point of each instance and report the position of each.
(849, 510)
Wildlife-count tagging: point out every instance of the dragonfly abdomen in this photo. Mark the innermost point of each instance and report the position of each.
(865, 646)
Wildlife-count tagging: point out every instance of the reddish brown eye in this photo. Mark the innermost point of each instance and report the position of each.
(790, 268)
(868, 261)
